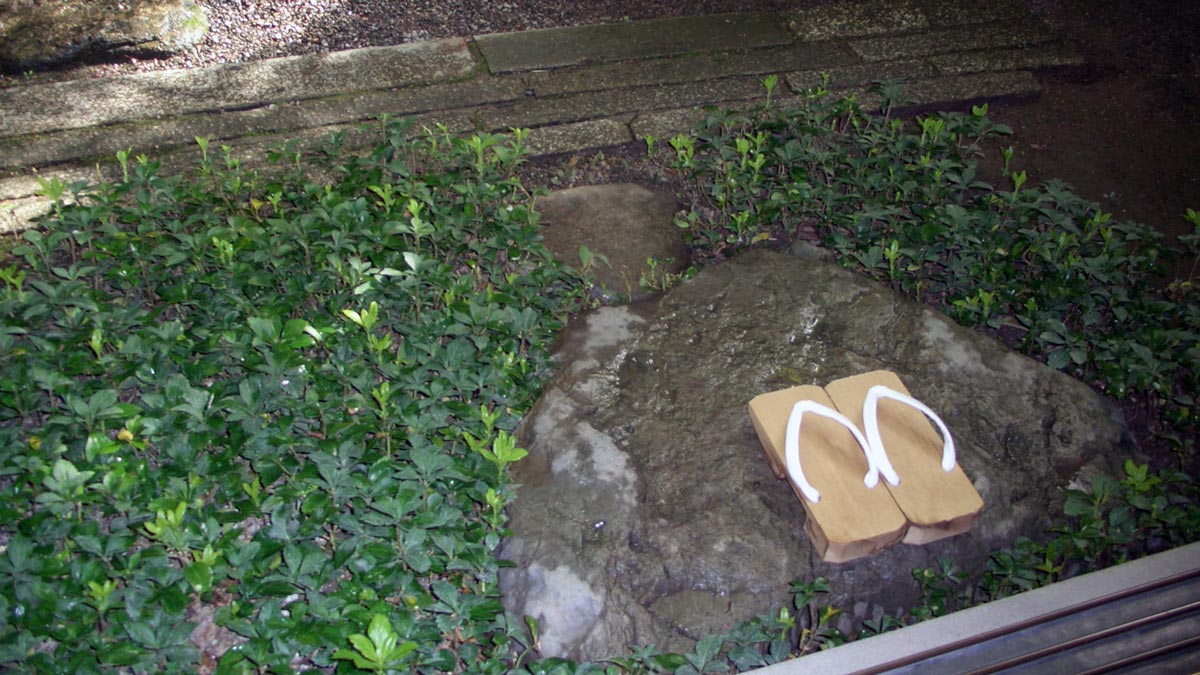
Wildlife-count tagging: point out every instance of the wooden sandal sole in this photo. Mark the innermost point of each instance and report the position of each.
(850, 520)
(937, 503)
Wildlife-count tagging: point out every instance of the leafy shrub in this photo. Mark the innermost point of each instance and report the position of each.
(281, 402)
(1107, 523)
(903, 201)
(1111, 522)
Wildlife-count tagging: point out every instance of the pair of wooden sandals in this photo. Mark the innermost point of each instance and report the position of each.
(834, 443)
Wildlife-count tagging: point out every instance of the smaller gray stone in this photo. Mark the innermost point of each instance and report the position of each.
(43, 33)
(627, 224)
(18, 215)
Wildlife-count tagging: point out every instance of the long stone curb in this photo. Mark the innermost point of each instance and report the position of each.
(582, 45)
(81, 103)
(575, 88)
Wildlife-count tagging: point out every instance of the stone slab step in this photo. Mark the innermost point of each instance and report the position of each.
(950, 40)
(579, 45)
(856, 19)
(44, 149)
(81, 103)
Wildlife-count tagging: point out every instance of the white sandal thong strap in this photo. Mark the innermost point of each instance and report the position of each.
(792, 447)
(875, 441)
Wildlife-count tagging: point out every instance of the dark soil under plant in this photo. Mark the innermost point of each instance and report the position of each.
(1128, 134)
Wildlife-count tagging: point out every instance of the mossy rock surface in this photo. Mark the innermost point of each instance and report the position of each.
(647, 512)
(37, 34)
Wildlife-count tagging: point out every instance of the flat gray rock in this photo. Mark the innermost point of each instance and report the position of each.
(34, 33)
(647, 514)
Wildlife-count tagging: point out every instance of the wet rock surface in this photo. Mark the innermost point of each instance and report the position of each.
(34, 33)
(627, 224)
(647, 513)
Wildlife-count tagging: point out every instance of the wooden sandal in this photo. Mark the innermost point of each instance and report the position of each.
(934, 494)
(851, 515)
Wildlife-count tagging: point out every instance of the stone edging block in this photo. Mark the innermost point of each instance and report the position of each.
(687, 68)
(854, 19)
(80, 103)
(948, 40)
(578, 136)
(1006, 59)
(579, 45)
(961, 12)
(536, 112)
(89, 142)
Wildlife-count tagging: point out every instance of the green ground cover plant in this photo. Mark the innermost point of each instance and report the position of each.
(1110, 522)
(278, 403)
(904, 202)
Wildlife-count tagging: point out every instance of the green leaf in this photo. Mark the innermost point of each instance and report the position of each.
(298, 334)
(18, 553)
(382, 636)
(142, 634)
(1052, 338)
(265, 329)
(1058, 359)
(366, 647)
(708, 648)
(505, 450)
(444, 660)
(65, 479)
(669, 661)
(1077, 503)
(359, 661)
(119, 654)
(199, 576)
(402, 650)
(413, 260)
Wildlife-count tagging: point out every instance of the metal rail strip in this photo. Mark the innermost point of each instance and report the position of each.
(1142, 616)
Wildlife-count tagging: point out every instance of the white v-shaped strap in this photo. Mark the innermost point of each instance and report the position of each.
(875, 441)
(792, 447)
